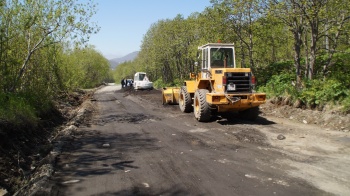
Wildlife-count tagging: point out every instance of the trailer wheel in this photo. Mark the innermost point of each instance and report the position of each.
(185, 101)
(249, 114)
(200, 106)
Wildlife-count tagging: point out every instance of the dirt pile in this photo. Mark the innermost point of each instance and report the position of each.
(329, 118)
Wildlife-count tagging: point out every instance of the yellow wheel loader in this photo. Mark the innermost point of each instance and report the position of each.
(218, 87)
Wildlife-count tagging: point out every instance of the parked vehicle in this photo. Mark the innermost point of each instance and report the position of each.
(141, 81)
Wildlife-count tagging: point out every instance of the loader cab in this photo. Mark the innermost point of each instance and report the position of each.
(217, 56)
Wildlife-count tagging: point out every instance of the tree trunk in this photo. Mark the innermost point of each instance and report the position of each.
(297, 32)
(242, 54)
(331, 50)
(251, 43)
(306, 46)
(313, 47)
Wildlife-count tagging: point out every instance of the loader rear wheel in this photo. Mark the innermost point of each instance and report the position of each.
(185, 101)
(200, 106)
(249, 114)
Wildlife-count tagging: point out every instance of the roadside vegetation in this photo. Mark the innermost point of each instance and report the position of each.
(43, 54)
(298, 50)
(43, 60)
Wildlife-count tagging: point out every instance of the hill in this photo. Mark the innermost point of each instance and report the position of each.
(129, 57)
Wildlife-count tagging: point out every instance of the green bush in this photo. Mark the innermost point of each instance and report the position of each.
(315, 92)
(280, 85)
(17, 109)
(319, 92)
(264, 74)
(346, 102)
(160, 84)
(24, 108)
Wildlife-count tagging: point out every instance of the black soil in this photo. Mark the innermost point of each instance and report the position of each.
(23, 147)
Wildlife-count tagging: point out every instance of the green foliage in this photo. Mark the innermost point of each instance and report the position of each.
(265, 74)
(160, 83)
(346, 102)
(319, 92)
(270, 36)
(35, 61)
(84, 68)
(169, 48)
(340, 68)
(125, 70)
(110, 78)
(36, 64)
(280, 85)
(18, 109)
(32, 28)
(315, 93)
(272, 43)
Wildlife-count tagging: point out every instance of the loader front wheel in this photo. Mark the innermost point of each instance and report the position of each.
(185, 101)
(200, 106)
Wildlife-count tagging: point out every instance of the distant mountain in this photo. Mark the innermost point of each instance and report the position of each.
(116, 61)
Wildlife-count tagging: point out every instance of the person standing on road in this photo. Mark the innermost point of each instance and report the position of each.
(123, 82)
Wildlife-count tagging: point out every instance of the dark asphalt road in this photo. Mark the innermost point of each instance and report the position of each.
(134, 147)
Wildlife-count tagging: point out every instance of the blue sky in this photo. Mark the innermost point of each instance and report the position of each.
(124, 22)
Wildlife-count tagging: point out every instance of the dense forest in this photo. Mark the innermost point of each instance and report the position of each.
(43, 53)
(297, 49)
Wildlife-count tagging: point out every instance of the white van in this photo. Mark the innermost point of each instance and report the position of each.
(141, 81)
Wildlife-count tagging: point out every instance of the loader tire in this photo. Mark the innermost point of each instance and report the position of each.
(200, 106)
(185, 100)
(249, 114)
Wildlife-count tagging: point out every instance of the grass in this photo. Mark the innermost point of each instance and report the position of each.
(17, 109)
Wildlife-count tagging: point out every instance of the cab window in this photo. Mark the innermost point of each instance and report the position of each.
(220, 56)
(205, 59)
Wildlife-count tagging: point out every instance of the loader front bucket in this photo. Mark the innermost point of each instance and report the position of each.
(170, 95)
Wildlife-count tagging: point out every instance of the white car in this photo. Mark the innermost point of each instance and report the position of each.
(141, 81)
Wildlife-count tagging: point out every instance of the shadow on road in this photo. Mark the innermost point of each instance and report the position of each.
(143, 190)
(89, 153)
(234, 118)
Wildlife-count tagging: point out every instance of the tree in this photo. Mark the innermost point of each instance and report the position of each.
(167, 50)
(242, 16)
(314, 20)
(288, 12)
(83, 68)
(336, 25)
(35, 25)
(311, 10)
